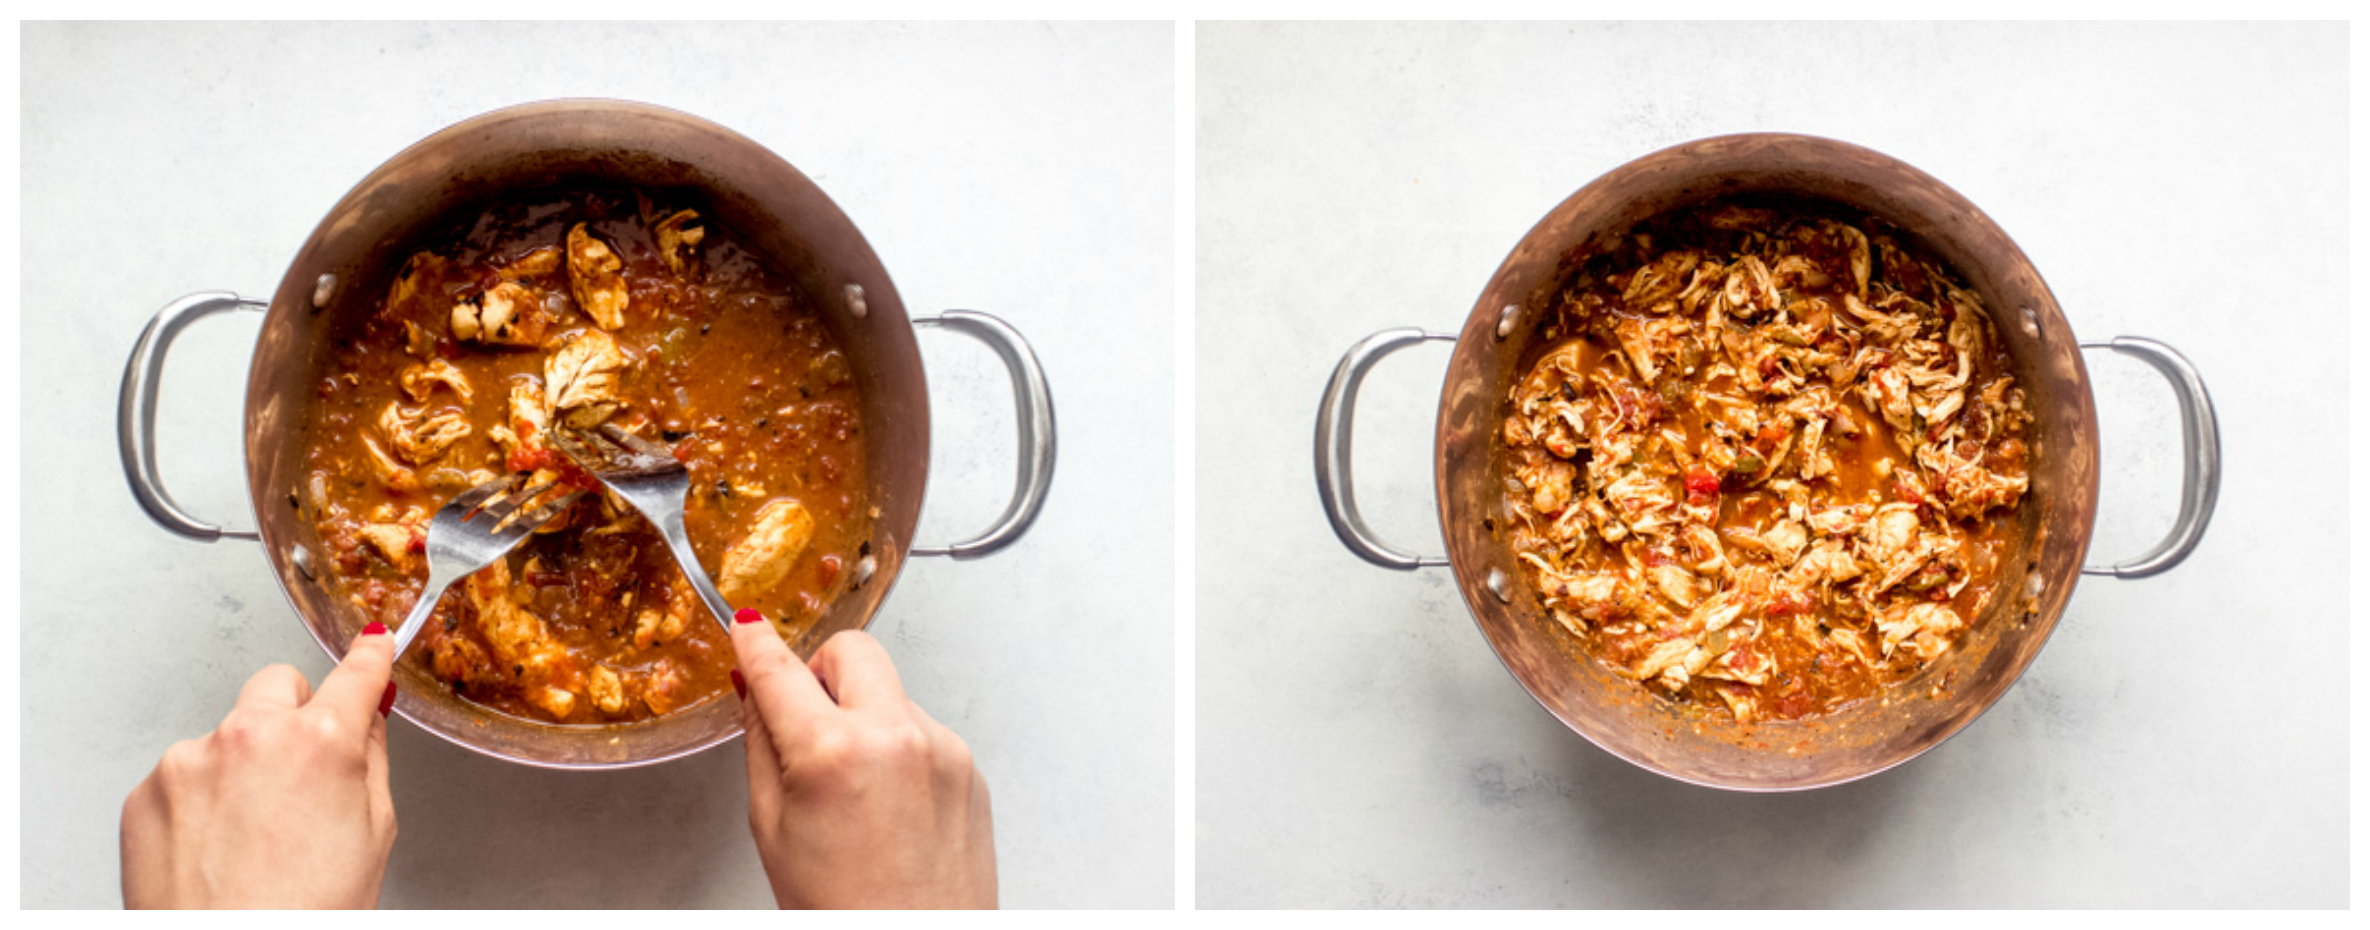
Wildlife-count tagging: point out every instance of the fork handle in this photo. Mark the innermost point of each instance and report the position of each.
(430, 594)
(679, 543)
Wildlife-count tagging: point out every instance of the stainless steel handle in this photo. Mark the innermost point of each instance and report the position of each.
(1334, 415)
(2201, 458)
(135, 411)
(1033, 404)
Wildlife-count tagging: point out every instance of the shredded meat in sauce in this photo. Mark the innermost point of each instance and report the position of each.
(1766, 460)
(573, 310)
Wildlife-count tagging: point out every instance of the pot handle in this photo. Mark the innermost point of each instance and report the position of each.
(135, 411)
(2201, 457)
(1334, 415)
(1033, 404)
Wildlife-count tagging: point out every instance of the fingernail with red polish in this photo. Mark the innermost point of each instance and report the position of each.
(375, 629)
(387, 700)
(747, 615)
(740, 686)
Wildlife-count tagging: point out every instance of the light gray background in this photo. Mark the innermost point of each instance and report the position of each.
(2182, 741)
(1025, 170)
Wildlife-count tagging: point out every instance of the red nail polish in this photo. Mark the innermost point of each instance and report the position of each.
(740, 686)
(375, 628)
(747, 615)
(387, 700)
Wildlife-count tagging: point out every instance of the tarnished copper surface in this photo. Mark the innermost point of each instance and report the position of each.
(768, 204)
(2041, 569)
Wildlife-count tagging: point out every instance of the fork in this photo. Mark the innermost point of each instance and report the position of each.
(469, 533)
(651, 479)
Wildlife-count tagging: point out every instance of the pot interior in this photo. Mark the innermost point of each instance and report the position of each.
(764, 202)
(2040, 568)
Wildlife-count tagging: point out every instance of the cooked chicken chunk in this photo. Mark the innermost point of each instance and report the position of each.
(594, 279)
(582, 379)
(521, 643)
(510, 314)
(678, 241)
(760, 560)
(421, 378)
(534, 264)
(606, 689)
(394, 541)
(418, 436)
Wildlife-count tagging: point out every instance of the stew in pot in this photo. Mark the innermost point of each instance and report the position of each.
(570, 310)
(1766, 459)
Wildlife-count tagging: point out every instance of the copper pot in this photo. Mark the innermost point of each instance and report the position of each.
(346, 264)
(1612, 711)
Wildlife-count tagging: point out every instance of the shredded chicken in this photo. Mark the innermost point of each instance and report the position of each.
(1692, 476)
(509, 314)
(679, 239)
(420, 436)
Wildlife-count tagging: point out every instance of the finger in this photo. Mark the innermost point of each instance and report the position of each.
(276, 686)
(374, 774)
(353, 689)
(765, 773)
(858, 673)
(781, 688)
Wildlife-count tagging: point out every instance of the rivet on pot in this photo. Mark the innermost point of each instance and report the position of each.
(2030, 322)
(1496, 582)
(856, 300)
(864, 569)
(302, 558)
(324, 287)
(1506, 320)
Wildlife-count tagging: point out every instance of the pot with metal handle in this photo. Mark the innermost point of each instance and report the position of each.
(350, 257)
(1608, 709)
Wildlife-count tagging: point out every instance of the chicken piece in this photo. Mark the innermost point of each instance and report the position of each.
(1671, 662)
(582, 379)
(421, 378)
(1550, 482)
(521, 643)
(1653, 284)
(1826, 564)
(606, 690)
(1785, 541)
(419, 437)
(391, 473)
(1676, 583)
(395, 542)
(510, 314)
(594, 278)
(556, 701)
(412, 281)
(1886, 393)
(1655, 345)
(530, 417)
(534, 264)
(678, 241)
(761, 559)
(1840, 521)
(1927, 628)
(1742, 663)
(654, 626)
(662, 689)
(1749, 289)
(1890, 534)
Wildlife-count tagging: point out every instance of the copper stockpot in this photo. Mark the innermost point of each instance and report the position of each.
(1617, 714)
(352, 255)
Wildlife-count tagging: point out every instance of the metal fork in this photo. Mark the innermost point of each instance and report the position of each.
(651, 479)
(469, 533)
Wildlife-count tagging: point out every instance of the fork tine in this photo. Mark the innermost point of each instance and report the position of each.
(584, 456)
(505, 535)
(630, 441)
(470, 499)
(501, 511)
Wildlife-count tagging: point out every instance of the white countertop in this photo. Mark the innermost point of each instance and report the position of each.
(2181, 741)
(1026, 170)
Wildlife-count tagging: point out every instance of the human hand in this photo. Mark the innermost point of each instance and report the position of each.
(284, 805)
(857, 797)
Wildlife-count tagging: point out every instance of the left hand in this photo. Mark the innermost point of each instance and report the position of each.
(284, 805)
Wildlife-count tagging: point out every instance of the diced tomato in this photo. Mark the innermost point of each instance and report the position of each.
(525, 430)
(419, 540)
(830, 569)
(1702, 485)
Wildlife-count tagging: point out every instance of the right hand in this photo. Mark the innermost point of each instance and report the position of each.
(857, 798)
